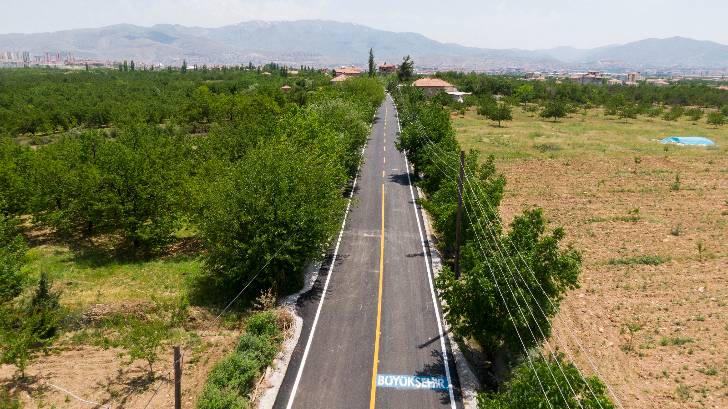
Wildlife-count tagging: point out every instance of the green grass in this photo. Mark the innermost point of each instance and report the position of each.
(641, 260)
(94, 279)
(675, 341)
(528, 136)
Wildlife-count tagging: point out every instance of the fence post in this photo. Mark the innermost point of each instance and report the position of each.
(177, 378)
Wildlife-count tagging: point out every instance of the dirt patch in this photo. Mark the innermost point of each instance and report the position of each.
(652, 311)
(104, 376)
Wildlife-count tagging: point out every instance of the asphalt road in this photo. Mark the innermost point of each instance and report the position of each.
(372, 336)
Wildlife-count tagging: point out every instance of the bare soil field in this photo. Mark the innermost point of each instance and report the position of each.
(652, 222)
(105, 376)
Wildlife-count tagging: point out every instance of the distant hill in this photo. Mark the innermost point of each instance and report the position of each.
(328, 43)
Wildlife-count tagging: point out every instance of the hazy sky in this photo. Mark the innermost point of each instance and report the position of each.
(486, 23)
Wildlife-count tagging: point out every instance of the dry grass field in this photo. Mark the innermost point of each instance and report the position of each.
(652, 223)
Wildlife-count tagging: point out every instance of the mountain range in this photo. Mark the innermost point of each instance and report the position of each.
(329, 43)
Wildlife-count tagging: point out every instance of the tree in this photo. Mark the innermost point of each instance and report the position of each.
(563, 387)
(372, 68)
(507, 276)
(142, 341)
(695, 114)
(716, 119)
(184, 67)
(627, 110)
(131, 66)
(500, 112)
(126, 66)
(406, 70)
(260, 212)
(12, 257)
(525, 93)
(554, 110)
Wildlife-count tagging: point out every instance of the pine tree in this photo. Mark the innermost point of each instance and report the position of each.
(184, 67)
(371, 63)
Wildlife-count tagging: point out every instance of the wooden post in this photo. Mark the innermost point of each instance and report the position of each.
(177, 378)
(459, 218)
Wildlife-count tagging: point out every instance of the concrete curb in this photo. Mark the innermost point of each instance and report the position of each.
(469, 384)
(277, 371)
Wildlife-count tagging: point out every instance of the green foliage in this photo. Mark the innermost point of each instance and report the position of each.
(232, 379)
(675, 113)
(554, 110)
(142, 340)
(563, 387)
(641, 260)
(406, 70)
(695, 114)
(30, 327)
(372, 67)
(261, 213)
(500, 112)
(8, 401)
(12, 258)
(716, 118)
(129, 185)
(490, 304)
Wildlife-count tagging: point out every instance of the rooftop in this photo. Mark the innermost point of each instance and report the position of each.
(431, 83)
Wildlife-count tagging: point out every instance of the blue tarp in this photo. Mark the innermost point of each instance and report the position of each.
(688, 140)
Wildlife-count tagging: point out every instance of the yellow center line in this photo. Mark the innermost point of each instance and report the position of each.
(372, 401)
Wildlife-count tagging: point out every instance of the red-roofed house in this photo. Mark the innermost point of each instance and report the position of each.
(387, 68)
(431, 86)
(348, 71)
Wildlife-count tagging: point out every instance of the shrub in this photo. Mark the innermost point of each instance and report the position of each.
(213, 397)
(233, 378)
(716, 118)
(674, 113)
(142, 340)
(694, 114)
(567, 389)
(12, 254)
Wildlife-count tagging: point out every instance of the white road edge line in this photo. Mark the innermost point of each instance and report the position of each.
(432, 288)
(292, 396)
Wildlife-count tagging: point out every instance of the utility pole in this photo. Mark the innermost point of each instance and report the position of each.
(177, 378)
(459, 218)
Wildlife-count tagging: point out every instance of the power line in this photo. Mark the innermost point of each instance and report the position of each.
(434, 146)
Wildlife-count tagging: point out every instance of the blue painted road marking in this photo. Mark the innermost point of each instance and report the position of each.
(411, 382)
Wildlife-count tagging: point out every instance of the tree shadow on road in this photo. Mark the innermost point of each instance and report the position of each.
(437, 368)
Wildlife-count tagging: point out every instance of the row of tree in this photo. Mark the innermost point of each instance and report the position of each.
(505, 272)
(520, 90)
(34, 101)
(259, 175)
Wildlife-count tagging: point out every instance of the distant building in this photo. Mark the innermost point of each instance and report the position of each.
(431, 86)
(348, 71)
(387, 68)
(659, 82)
(286, 88)
(590, 78)
(614, 81)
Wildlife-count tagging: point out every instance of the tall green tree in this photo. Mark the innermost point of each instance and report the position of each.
(554, 110)
(500, 112)
(372, 67)
(406, 70)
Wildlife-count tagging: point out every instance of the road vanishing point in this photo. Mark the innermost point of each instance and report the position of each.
(373, 335)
